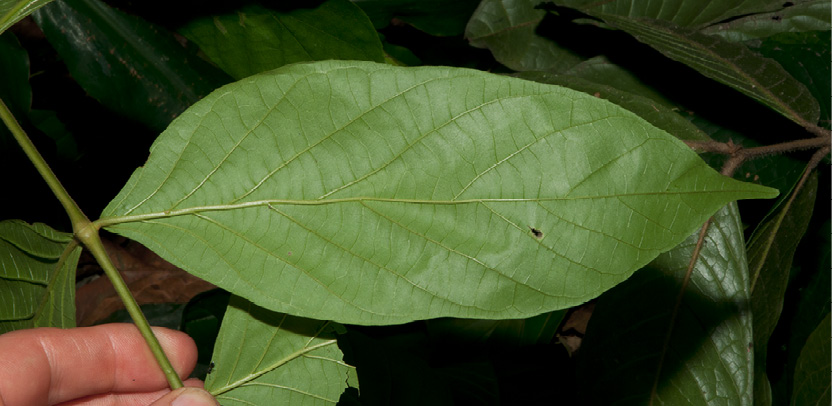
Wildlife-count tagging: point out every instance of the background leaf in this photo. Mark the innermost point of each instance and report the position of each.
(686, 13)
(371, 194)
(812, 374)
(709, 357)
(38, 289)
(770, 255)
(653, 112)
(262, 357)
(806, 56)
(255, 39)
(112, 54)
(508, 29)
(435, 17)
(12, 11)
(802, 17)
(734, 65)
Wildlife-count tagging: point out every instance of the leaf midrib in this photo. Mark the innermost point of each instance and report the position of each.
(114, 220)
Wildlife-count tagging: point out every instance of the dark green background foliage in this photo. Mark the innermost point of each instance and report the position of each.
(94, 83)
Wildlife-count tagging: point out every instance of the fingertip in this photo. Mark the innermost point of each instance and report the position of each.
(188, 396)
(179, 347)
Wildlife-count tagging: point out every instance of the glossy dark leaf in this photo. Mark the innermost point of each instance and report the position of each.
(806, 56)
(686, 13)
(508, 29)
(131, 66)
(435, 17)
(770, 255)
(708, 358)
(731, 64)
(254, 39)
(812, 383)
(805, 16)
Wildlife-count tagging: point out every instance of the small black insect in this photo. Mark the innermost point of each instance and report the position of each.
(210, 368)
(775, 18)
(537, 233)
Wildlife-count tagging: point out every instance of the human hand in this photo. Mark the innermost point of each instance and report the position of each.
(108, 364)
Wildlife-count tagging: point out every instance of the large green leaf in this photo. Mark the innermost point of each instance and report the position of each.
(811, 377)
(12, 11)
(806, 16)
(373, 194)
(653, 112)
(37, 276)
(732, 64)
(131, 66)
(687, 13)
(707, 360)
(255, 39)
(770, 253)
(268, 358)
(507, 28)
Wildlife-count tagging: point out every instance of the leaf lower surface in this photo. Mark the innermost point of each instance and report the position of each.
(37, 288)
(262, 357)
(372, 194)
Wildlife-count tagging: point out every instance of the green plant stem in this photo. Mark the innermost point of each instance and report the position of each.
(92, 241)
(87, 233)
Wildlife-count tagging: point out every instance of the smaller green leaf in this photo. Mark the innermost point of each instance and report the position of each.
(255, 39)
(811, 377)
(508, 29)
(37, 276)
(12, 11)
(267, 358)
(812, 15)
(731, 64)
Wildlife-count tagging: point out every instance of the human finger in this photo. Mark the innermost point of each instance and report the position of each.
(46, 366)
(187, 397)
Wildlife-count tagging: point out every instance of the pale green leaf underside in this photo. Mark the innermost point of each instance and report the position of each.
(12, 11)
(36, 288)
(372, 194)
(268, 358)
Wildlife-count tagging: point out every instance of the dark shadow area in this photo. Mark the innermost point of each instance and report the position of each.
(622, 350)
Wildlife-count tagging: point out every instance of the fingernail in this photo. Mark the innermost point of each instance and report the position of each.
(194, 397)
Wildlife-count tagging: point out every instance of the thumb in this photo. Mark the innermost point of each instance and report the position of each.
(187, 397)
